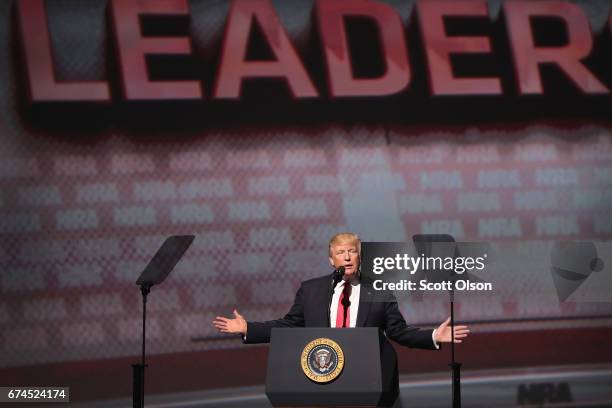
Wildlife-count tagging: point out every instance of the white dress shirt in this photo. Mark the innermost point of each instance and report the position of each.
(354, 299)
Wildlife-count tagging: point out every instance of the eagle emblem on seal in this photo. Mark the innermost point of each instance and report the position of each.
(322, 360)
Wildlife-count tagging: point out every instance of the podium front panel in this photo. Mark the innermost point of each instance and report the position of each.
(359, 384)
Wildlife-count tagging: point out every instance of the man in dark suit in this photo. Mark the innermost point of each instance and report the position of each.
(350, 307)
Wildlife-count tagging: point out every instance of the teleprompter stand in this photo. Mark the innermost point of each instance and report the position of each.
(426, 244)
(454, 365)
(158, 269)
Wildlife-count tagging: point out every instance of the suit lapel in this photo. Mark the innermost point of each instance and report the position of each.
(322, 315)
(364, 304)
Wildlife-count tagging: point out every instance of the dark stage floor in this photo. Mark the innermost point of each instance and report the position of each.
(566, 386)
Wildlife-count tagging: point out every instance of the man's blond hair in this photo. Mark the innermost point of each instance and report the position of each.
(344, 238)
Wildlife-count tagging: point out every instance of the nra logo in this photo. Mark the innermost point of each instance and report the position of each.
(427, 44)
(543, 393)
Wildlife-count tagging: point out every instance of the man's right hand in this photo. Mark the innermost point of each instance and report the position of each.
(237, 325)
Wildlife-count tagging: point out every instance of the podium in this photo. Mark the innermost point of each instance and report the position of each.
(368, 376)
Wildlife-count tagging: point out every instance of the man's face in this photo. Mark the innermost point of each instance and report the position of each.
(346, 255)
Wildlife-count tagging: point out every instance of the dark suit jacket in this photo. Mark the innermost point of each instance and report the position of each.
(310, 309)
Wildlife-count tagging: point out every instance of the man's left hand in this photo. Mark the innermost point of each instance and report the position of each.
(443, 332)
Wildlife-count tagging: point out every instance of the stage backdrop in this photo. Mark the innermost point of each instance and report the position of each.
(88, 194)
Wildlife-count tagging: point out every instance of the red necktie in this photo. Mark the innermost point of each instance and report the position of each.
(344, 306)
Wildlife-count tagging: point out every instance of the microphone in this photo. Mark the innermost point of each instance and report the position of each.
(346, 301)
(338, 274)
(336, 278)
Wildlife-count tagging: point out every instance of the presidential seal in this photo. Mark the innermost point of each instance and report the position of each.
(322, 360)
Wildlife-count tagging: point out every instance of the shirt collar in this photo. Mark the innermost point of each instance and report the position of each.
(354, 282)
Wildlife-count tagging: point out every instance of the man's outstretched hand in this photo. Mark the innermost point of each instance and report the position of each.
(237, 325)
(443, 332)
